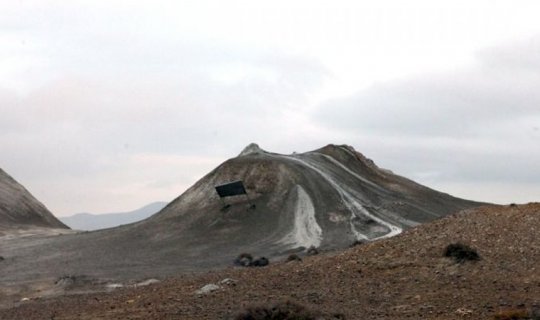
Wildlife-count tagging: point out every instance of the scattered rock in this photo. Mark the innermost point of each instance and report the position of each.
(246, 260)
(243, 260)
(77, 281)
(147, 282)
(464, 312)
(65, 281)
(260, 262)
(311, 251)
(228, 282)
(207, 289)
(113, 286)
(293, 257)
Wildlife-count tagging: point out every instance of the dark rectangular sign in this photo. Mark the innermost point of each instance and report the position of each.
(231, 189)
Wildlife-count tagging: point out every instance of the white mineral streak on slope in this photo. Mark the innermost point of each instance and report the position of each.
(351, 203)
(306, 231)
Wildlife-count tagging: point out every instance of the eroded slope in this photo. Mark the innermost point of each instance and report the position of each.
(19, 209)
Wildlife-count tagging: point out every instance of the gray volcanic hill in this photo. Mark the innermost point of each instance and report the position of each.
(19, 209)
(327, 198)
(89, 221)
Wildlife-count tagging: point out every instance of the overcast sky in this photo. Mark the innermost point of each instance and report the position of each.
(109, 105)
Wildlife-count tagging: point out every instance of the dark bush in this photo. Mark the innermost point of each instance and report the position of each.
(260, 262)
(283, 311)
(2, 258)
(311, 251)
(246, 260)
(293, 257)
(461, 253)
(513, 205)
(243, 260)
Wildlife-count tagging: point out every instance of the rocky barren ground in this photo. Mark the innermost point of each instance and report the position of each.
(404, 277)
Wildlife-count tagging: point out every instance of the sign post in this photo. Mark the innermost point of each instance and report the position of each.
(232, 189)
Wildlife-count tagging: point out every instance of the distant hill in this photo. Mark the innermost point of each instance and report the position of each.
(88, 221)
(19, 209)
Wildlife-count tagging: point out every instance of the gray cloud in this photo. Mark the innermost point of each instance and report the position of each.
(81, 130)
(474, 126)
(107, 104)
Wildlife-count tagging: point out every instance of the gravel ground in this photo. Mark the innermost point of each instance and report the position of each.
(404, 277)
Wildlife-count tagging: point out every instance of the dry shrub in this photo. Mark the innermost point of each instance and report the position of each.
(512, 314)
(284, 311)
(461, 252)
